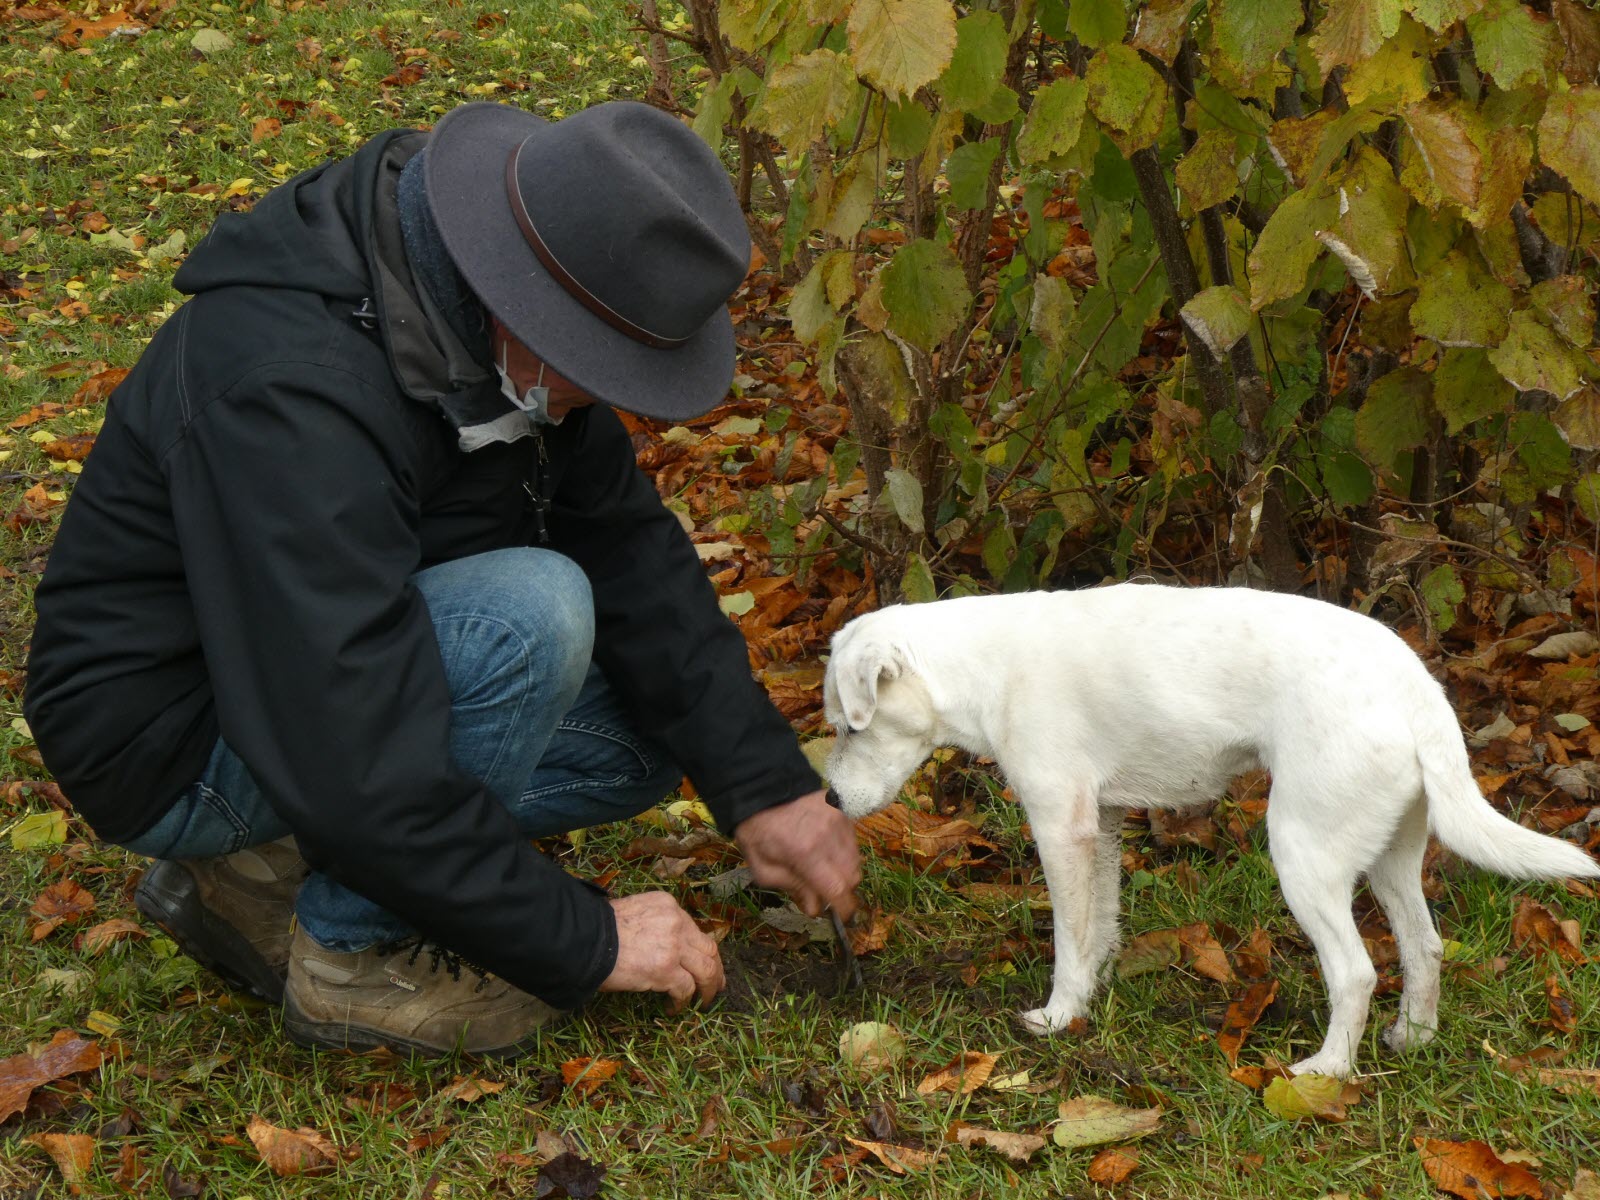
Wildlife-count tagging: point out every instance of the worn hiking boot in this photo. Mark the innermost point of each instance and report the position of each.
(409, 995)
(230, 914)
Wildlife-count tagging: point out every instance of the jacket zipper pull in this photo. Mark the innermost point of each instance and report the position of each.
(541, 502)
(366, 316)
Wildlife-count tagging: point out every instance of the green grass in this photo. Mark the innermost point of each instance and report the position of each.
(106, 127)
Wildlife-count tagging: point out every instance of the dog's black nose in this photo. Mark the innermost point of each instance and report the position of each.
(833, 799)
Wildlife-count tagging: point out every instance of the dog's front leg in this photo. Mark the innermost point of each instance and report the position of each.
(1066, 831)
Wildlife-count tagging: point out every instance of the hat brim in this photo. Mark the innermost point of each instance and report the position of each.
(465, 181)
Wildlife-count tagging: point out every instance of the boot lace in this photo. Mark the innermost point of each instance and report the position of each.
(439, 958)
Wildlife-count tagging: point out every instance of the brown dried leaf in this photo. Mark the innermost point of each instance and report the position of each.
(1473, 1171)
(898, 1159)
(1204, 953)
(67, 1054)
(469, 1090)
(73, 1152)
(101, 937)
(300, 1151)
(963, 1074)
(1113, 1165)
(1534, 928)
(1155, 950)
(584, 1075)
(1242, 1016)
(1018, 1147)
(64, 899)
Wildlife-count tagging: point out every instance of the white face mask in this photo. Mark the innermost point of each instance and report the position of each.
(535, 401)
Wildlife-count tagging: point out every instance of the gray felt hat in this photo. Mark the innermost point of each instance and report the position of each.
(608, 243)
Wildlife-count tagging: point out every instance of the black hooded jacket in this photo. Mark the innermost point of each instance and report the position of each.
(236, 558)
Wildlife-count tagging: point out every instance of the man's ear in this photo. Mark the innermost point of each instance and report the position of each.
(858, 670)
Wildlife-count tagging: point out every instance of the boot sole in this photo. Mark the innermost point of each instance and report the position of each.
(169, 896)
(332, 1035)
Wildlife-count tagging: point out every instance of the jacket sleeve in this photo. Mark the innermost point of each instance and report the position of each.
(297, 512)
(680, 664)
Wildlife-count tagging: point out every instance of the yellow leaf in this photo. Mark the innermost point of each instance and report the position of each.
(900, 45)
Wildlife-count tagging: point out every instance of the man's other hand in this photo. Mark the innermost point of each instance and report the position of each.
(808, 849)
(661, 949)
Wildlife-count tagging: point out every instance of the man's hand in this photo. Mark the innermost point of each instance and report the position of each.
(661, 949)
(808, 849)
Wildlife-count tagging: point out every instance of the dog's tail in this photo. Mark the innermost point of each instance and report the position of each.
(1463, 820)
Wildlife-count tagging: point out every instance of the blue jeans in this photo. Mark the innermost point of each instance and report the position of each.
(531, 716)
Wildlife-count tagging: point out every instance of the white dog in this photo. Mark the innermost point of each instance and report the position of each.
(1155, 697)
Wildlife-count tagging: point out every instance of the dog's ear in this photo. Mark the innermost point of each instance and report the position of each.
(858, 671)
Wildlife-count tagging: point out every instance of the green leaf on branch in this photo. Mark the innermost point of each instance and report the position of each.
(880, 366)
(1208, 173)
(1443, 590)
(1050, 315)
(1507, 153)
(715, 111)
(1246, 38)
(839, 277)
(750, 24)
(916, 585)
(1460, 305)
(925, 292)
(967, 170)
(1344, 473)
(1439, 15)
(1288, 246)
(1578, 417)
(848, 202)
(1569, 139)
(1394, 417)
(1353, 31)
(1511, 44)
(1467, 388)
(905, 497)
(999, 549)
(1533, 358)
(1400, 69)
(1446, 156)
(1219, 316)
(1097, 24)
(900, 45)
(1161, 28)
(1369, 234)
(1054, 122)
(1127, 95)
(1586, 495)
(1567, 306)
(803, 98)
(809, 310)
(1541, 449)
(909, 127)
(978, 62)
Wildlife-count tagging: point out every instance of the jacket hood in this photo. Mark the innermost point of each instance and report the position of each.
(303, 234)
(334, 231)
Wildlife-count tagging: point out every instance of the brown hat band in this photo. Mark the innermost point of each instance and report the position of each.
(560, 274)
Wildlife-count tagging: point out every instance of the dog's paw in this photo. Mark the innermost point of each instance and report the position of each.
(1406, 1035)
(1042, 1022)
(1324, 1063)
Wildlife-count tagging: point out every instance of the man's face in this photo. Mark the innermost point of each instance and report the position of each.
(524, 367)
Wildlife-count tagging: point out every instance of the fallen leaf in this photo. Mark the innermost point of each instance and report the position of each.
(1563, 1014)
(1113, 1165)
(101, 937)
(1564, 1079)
(569, 1175)
(1204, 953)
(1153, 951)
(294, 1152)
(1534, 927)
(469, 1090)
(266, 127)
(1242, 1016)
(63, 901)
(1298, 1096)
(584, 1075)
(1473, 1171)
(176, 1186)
(965, 1073)
(898, 1159)
(1093, 1120)
(872, 1046)
(73, 1152)
(1018, 1147)
(67, 1054)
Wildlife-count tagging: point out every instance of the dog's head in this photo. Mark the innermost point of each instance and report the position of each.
(881, 711)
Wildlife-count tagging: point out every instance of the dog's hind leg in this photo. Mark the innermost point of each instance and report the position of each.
(1396, 882)
(1319, 887)
(1066, 831)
